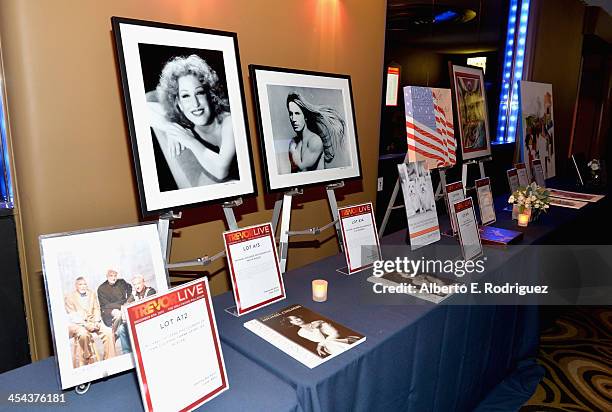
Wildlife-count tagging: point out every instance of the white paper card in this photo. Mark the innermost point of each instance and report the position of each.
(361, 244)
(469, 235)
(176, 331)
(485, 201)
(523, 177)
(254, 269)
(513, 180)
(454, 194)
(538, 173)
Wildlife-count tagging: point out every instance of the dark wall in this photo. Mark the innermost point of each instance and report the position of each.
(14, 350)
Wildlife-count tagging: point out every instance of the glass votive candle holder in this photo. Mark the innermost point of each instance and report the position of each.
(319, 290)
(523, 219)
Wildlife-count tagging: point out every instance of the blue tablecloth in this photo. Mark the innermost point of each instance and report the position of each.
(417, 357)
(251, 388)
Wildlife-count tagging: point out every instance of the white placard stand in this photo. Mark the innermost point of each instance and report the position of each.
(440, 193)
(282, 212)
(464, 170)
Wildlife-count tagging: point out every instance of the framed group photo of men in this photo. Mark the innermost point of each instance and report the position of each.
(90, 277)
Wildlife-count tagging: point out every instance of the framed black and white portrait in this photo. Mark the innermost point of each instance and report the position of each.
(90, 276)
(184, 100)
(306, 126)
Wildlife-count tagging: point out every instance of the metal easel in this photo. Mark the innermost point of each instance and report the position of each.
(282, 213)
(166, 232)
(464, 170)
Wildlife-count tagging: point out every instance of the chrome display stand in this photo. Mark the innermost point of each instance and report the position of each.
(464, 170)
(282, 213)
(164, 224)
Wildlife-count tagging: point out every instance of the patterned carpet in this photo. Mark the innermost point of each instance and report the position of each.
(577, 355)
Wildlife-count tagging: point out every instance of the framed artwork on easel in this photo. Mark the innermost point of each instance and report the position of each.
(472, 117)
(185, 106)
(306, 125)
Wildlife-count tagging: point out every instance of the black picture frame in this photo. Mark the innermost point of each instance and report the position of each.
(143, 41)
(263, 117)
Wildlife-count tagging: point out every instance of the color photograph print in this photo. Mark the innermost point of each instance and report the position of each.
(538, 133)
(185, 104)
(307, 128)
(471, 104)
(89, 277)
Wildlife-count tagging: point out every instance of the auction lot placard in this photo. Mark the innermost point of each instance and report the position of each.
(176, 348)
(360, 235)
(254, 269)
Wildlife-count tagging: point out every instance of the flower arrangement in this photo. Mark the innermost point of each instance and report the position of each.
(532, 198)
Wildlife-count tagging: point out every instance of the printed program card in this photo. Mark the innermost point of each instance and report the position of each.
(361, 244)
(176, 348)
(523, 177)
(485, 201)
(419, 204)
(513, 181)
(538, 173)
(469, 236)
(254, 269)
(454, 194)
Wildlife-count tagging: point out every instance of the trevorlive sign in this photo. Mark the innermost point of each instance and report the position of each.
(247, 234)
(162, 304)
(355, 210)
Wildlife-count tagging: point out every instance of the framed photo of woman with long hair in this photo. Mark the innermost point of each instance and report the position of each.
(185, 106)
(306, 126)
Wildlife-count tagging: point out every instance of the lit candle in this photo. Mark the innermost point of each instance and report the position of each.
(523, 219)
(319, 290)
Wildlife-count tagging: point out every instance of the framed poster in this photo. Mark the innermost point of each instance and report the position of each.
(472, 116)
(430, 130)
(306, 125)
(538, 125)
(89, 276)
(184, 101)
(178, 354)
(254, 269)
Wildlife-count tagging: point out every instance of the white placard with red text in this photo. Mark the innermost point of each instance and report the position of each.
(513, 180)
(254, 269)
(469, 235)
(538, 173)
(484, 195)
(523, 175)
(361, 244)
(176, 348)
(454, 193)
(393, 80)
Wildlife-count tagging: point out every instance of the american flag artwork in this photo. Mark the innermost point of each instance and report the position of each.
(429, 126)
